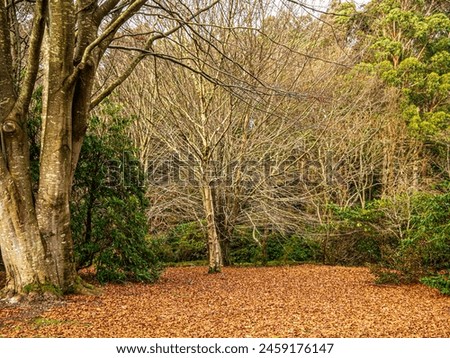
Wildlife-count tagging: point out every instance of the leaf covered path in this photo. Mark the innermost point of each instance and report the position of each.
(295, 301)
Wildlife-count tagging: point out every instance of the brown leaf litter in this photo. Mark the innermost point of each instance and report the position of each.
(289, 301)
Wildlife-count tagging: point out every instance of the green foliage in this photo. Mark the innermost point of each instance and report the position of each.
(430, 230)
(300, 249)
(120, 232)
(345, 11)
(185, 242)
(243, 248)
(404, 238)
(34, 130)
(409, 46)
(355, 235)
(385, 276)
(441, 282)
(109, 221)
(273, 247)
(274, 250)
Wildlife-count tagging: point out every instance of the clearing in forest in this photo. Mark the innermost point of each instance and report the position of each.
(291, 301)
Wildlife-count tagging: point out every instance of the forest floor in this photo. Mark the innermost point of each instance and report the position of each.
(288, 301)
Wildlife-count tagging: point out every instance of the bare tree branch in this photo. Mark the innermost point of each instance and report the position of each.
(104, 9)
(110, 30)
(143, 53)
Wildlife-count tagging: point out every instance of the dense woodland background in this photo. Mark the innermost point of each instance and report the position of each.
(263, 133)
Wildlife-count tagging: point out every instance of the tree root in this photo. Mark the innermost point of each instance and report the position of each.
(82, 287)
(45, 293)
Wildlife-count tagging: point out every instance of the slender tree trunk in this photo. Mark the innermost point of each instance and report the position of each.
(224, 231)
(264, 239)
(214, 251)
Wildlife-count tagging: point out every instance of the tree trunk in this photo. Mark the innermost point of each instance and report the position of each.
(20, 240)
(214, 250)
(35, 235)
(52, 207)
(224, 230)
(22, 248)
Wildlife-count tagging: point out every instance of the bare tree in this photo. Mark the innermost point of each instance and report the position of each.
(237, 115)
(296, 133)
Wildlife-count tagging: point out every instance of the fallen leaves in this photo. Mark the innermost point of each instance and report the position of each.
(295, 301)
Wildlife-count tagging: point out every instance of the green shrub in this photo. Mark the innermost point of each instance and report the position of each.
(243, 248)
(299, 249)
(429, 232)
(275, 247)
(124, 254)
(109, 223)
(355, 235)
(440, 281)
(384, 276)
(185, 242)
(424, 249)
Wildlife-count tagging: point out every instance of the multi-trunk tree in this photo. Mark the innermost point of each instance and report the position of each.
(60, 45)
